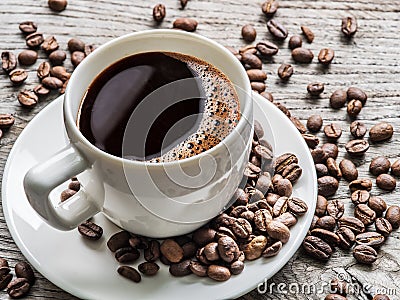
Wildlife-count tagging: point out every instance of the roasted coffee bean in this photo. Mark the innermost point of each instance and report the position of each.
(354, 93)
(270, 7)
(333, 168)
(75, 44)
(372, 239)
(165, 261)
(264, 183)
(335, 208)
(383, 226)
(183, 3)
(89, 49)
(249, 33)
(52, 83)
(8, 61)
(66, 194)
(338, 99)
(360, 197)
(360, 184)
(365, 254)
(302, 55)
(228, 249)
(34, 40)
(326, 222)
(159, 12)
(331, 150)
(211, 251)
(241, 228)
(261, 219)
(138, 242)
(393, 216)
(252, 171)
(307, 33)
(263, 152)
(317, 248)
(152, 253)
(272, 198)
(349, 170)
(57, 57)
(282, 161)
(313, 222)
(282, 107)
(395, 169)
(377, 204)
(203, 236)
(28, 27)
(326, 235)
(148, 268)
(315, 89)
(5, 277)
(58, 5)
(77, 57)
(258, 86)
(236, 267)
(346, 237)
(335, 297)
(277, 30)
(60, 73)
(357, 147)
(256, 75)
(349, 26)
(118, 240)
(200, 256)
(339, 286)
(185, 24)
(354, 107)
(127, 255)
(296, 122)
(287, 219)
(292, 172)
(358, 129)
(381, 132)
(74, 185)
(314, 123)
(319, 155)
(266, 48)
(284, 187)
(180, 269)
(27, 98)
(18, 76)
(218, 273)
(333, 131)
(386, 182)
(43, 70)
(381, 297)
(255, 248)
(171, 250)
(352, 223)
(297, 206)
(295, 41)
(278, 231)
(198, 269)
(321, 170)
(327, 186)
(189, 249)
(250, 49)
(365, 214)
(322, 203)
(129, 273)
(238, 210)
(50, 44)
(273, 249)
(27, 57)
(24, 270)
(40, 90)
(18, 288)
(325, 56)
(90, 230)
(379, 165)
(311, 140)
(255, 161)
(251, 60)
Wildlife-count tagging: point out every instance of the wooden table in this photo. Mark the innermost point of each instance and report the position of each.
(370, 61)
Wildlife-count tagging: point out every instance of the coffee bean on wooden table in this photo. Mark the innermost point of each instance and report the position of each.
(28, 27)
(386, 182)
(322, 203)
(90, 230)
(270, 7)
(3, 262)
(57, 57)
(18, 76)
(183, 3)
(372, 239)
(5, 277)
(326, 235)
(358, 129)
(351, 223)
(321, 170)
(60, 72)
(18, 288)
(360, 184)
(277, 30)
(186, 24)
(302, 55)
(285, 71)
(316, 88)
(118, 240)
(355, 93)
(333, 131)
(8, 61)
(349, 26)
(360, 197)
(57, 5)
(129, 273)
(159, 12)
(266, 48)
(258, 86)
(311, 140)
(307, 33)
(335, 208)
(27, 98)
(299, 125)
(43, 70)
(77, 57)
(52, 83)
(295, 41)
(256, 75)
(354, 107)
(319, 155)
(6, 121)
(357, 147)
(327, 186)
(218, 273)
(381, 132)
(148, 268)
(282, 107)
(24, 270)
(27, 57)
(393, 216)
(40, 90)
(89, 49)
(335, 297)
(383, 226)
(75, 44)
(365, 254)
(395, 169)
(249, 33)
(379, 165)
(326, 55)
(314, 123)
(381, 297)
(50, 44)
(34, 40)
(346, 237)
(331, 150)
(252, 60)
(333, 168)
(338, 99)
(297, 206)
(317, 248)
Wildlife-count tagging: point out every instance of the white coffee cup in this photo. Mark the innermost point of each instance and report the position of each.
(151, 199)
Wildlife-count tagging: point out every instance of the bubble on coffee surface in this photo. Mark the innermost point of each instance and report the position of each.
(221, 111)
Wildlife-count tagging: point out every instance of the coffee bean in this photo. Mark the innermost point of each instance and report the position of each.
(357, 147)
(165, 261)
(189, 249)
(270, 7)
(255, 248)
(183, 3)
(297, 206)
(331, 150)
(24, 270)
(256, 75)
(57, 57)
(5, 277)
(319, 155)
(18, 76)
(250, 49)
(60, 73)
(302, 55)
(148, 268)
(327, 186)
(365, 214)
(50, 44)
(272, 198)
(349, 170)
(261, 219)
(313, 222)
(295, 41)
(322, 203)
(28, 27)
(365, 254)
(381, 132)
(277, 30)
(198, 269)
(152, 253)
(339, 286)
(251, 60)
(296, 122)
(27, 98)
(249, 33)
(354, 108)
(386, 182)
(395, 169)
(27, 57)
(203, 236)
(316, 88)
(40, 90)
(349, 26)
(381, 297)
(186, 24)
(127, 255)
(372, 239)
(228, 249)
(264, 153)
(218, 273)
(138, 242)
(326, 55)
(314, 123)
(74, 185)
(335, 208)
(317, 248)
(237, 267)
(159, 12)
(335, 297)
(379, 165)
(346, 237)
(3, 262)
(90, 230)
(351, 223)
(52, 83)
(278, 231)
(118, 240)
(264, 183)
(333, 168)
(321, 170)
(241, 228)
(171, 250)
(358, 129)
(89, 49)
(355, 93)
(311, 140)
(283, 187)
(333, 131)
(393, 216)
(273, 249)
(338, 99)
(307, 33)
(258, 86)
(292, 172)
(328, 236)
(282, 107)
(287, 219)
(18, 288)
(383, 226)
(241, 197)
(66, 194)
(282, 161)
(252, 171)
(326, 222)
(211, 251)
(34, 40)
(8, 61)
(266, 48)
(77, 57)
(75, 44)
(43, 70)
(360, 184)
(57, 5)
(129, 273)
(360, 197)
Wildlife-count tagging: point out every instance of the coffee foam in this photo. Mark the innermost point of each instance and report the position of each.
(221, 111)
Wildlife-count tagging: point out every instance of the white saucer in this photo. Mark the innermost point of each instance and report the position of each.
(88, 269)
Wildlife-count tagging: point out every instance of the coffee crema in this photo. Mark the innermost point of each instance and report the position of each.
(158, 107)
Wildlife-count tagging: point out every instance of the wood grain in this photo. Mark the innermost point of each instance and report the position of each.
(370, 61)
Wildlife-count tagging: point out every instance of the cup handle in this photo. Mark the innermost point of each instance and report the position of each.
(40, 180)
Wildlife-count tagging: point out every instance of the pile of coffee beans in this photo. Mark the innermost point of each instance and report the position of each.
(20, 286)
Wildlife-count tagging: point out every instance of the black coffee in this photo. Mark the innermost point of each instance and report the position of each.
(158, 106)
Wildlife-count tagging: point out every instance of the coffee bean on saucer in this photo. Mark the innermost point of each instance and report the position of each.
(34, 40)
(295, 41)
(129, 273)
(314, 123)
(5, 277)
(236, 267)
(316, 88)
(302, 55)
(57, 57)
(43, 70)
(75, 44)
(148, 268)
(27, 98)
(285, 71)
(159, 12)
(349, 26)
(18, 76)
(8, 61)
(283, 187)
(379, 165)
(24, 270)
(307, 33)
(218, 273)
(249, 33)
(277, 30)
(270, 7)
(358, 129)
(383, 226)
(152, 253)
(278, 231)
(273, 249)
(58, 5)
(118, 240)
(393, 216)
(27, 57)
(333, 131)
(49, 44)
(171, 250)
(28, 27)
(317, 248)
(386, 182)
(266, 48)
(326, 55)
(365, 254)
(180, 269)
(126, 255)
(357, 147)
(77, 57)
(198, 269)
(186, 24)
(338, 99)
(90, 230)
(52, 83)
(381, 132)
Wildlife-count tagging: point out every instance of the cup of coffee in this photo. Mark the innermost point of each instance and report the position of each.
(160, 126)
